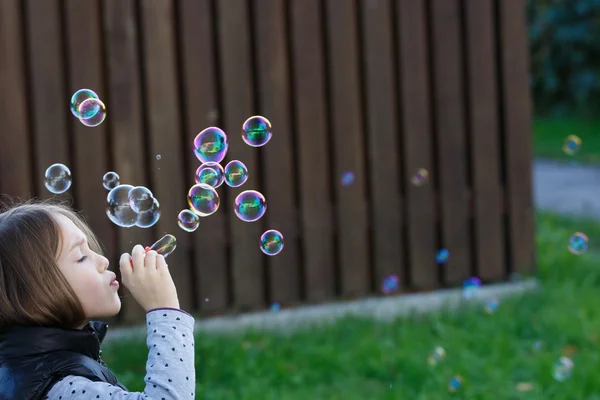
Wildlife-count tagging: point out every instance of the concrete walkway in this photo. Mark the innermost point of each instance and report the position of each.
(568, 189)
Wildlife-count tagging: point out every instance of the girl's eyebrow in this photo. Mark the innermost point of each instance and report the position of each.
(77, 244)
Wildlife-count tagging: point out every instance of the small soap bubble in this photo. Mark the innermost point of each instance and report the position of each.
(578, 243)
(188, 220)
(110, 180)
(118, 209)
(165, 245)
(347, 178)
(421, 177)
(471, 287)
(250, 206)
(275, 307)
(211, 145)
(95, 107)
(436, 356)
(209, 177)
(57, 178)
(256, 131)
(442, 256)
(572, 145)
(455, 383)
(149, 217)
(79, 97)
(491, 306)
(158, 157)
(140, 199)
(563, 369)
(236, 173)
(203, 200)
(390, 284)
(271, 242)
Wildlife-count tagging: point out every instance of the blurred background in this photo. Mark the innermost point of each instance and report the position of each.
(417, 145)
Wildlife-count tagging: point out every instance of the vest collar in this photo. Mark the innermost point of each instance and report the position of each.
(33, 340)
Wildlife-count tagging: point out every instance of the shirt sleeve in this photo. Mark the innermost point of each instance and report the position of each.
(170, 370)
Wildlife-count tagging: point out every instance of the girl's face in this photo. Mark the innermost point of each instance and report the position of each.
(86, 272)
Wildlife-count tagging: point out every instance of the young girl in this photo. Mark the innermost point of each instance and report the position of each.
(53, 283)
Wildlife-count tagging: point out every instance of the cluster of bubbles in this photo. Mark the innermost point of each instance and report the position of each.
(210, 148)
(87, 107)
(127, 205)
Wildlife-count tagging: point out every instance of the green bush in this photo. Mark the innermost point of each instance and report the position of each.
(565, 55)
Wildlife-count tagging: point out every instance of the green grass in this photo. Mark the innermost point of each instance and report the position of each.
(550, 134)
(362, 360)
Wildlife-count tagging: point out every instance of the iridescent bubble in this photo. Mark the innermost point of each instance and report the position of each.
(347, 178)
(442, 256)
(211, 145)
(250, 206)
(455, 383)
(421, 177)
(88, 107)
(188, 220)
(578, 243)
(491, 306)
(118, 209)
(203, 199)
(275, 307)
(436, 356)
(57, 178)
(140, 199)
(256, 131)
(236, 173)
(563, 369)
(110, 180)
(165, 245)
(271, 242)
(149, 217)
(572, 145)
(79, 97)
(471, 287)
(390, 284)
(158, 157)
(207, 176)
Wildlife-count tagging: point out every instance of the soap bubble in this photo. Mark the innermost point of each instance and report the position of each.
(140, 199)
(79, 97)
(471, 287)
(442, 256)
(149, 217)
(390, 284)
(578, 243)
(421, 177)
(275, 307)
(158, 157)
(165, 245)
(110, 180)
(236, 173)
(250, 206)
(211, 145)
(563, 369)
(188, 220)
(455, 383)
(203, 199)
(271, 242)
(57, 178)
(118, 209)
(572, 145)
(347, 178)
(491, 306)
(256, 131)
(90, 106)
(436, 356)
(207, 176)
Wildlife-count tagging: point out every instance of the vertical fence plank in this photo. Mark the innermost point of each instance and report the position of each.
(236, 66)
(382, 133)
(15, 158)
(451, 137)
(273, 87)
(311, 131)
(84, 60)
(165, 136)
(124, 116)
(516, 106)
(417, 131)
(48, 101)
(347, 125)
(200, 102)
(485, 149)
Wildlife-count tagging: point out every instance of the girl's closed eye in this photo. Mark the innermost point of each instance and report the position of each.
(82, 259)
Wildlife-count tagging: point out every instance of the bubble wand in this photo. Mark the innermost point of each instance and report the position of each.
(164, 246)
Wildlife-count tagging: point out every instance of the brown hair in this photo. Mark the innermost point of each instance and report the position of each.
(33, 291)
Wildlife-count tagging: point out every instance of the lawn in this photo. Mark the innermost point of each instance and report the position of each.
(550, 134)
(363, 360)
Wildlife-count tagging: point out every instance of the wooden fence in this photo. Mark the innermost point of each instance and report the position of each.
(380, 88)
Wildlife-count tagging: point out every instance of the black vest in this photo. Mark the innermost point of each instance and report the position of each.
(33, 359)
